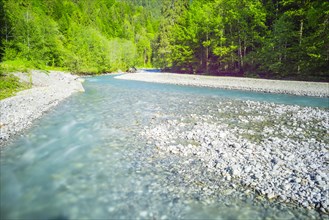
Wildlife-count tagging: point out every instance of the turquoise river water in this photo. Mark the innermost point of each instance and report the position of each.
(85, 159)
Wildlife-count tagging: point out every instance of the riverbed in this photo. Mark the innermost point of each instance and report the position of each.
(126, 149)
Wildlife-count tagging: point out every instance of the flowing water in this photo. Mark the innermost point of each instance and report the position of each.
(86, 159)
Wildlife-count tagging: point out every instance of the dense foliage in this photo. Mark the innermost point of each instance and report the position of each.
(279, 38)
(274, 38)
(83, 36)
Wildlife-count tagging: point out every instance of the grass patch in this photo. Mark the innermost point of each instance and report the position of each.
(15, 66)
(10, 85)
(21, 65)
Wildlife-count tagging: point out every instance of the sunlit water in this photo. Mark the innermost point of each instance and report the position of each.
(86, 159)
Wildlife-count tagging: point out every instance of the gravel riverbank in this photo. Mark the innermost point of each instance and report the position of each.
(279, 151)
(18, 112)
(259, 85)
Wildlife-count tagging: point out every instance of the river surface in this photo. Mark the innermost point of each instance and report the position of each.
(86, 159)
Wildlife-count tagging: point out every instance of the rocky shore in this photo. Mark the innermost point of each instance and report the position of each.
(280, 152)
(258, 85)
(49, 89)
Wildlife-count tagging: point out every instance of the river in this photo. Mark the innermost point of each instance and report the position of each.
(86, 159)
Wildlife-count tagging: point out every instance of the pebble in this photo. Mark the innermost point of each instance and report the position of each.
(143, 214)
(111, 209)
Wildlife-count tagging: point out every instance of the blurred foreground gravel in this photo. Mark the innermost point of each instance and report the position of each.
(18, 112)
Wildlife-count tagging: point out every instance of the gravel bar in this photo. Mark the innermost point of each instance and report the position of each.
(258, 85)
(279, 151)
(49, 89)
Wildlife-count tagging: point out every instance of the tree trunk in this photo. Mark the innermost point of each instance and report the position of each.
(207, 52)
(285, 51)
(232, 43)
(6, 25)
(28, 31)
(240, 54)
(244, 51)
(201, 56)
(300, 43)
(277, 9)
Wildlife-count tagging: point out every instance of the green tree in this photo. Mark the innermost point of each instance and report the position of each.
(171, 11)
(77, 35)
(296, 44)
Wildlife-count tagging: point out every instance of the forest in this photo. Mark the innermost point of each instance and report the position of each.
(284, 39)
